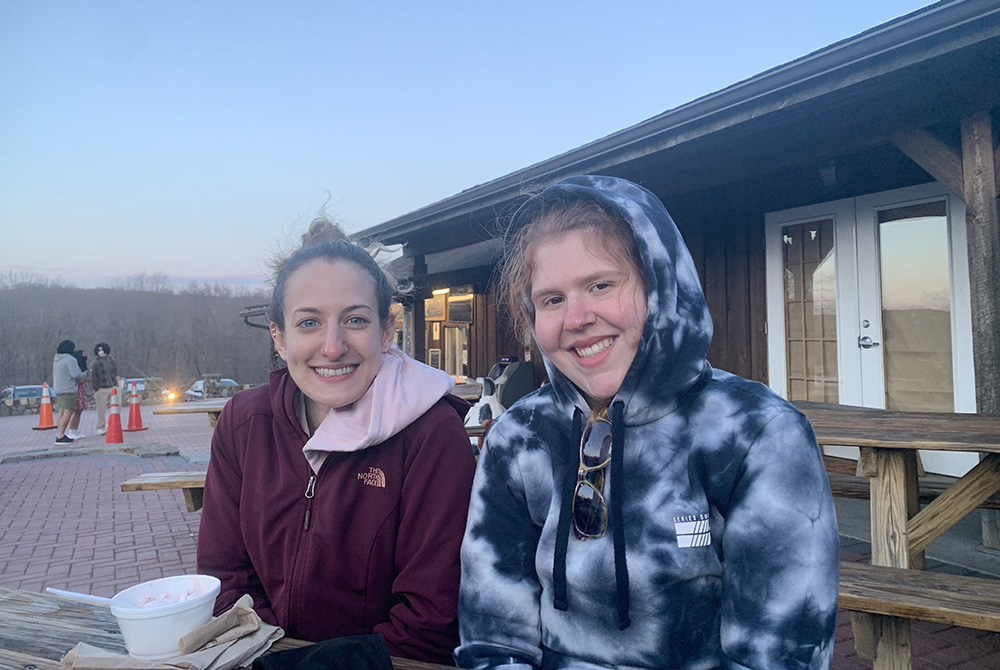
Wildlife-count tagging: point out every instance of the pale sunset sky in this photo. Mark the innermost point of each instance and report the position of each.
(195, 138)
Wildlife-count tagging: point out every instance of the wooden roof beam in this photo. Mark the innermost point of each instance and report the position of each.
(937, 158)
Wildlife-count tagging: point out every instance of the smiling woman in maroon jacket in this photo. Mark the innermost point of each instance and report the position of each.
(336, 496)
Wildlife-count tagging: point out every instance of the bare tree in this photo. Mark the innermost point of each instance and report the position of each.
(24, 278)
(156, 282)
(158, 334)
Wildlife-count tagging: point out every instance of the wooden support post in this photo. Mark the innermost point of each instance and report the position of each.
(865, 639)
(891, 482)
(194, 499)
(884, 640)
(912, 468)
(419, 325)
(979, 165)
(892, 651)
(984, 256)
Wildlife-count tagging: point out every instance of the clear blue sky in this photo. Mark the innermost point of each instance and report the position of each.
(193, 138)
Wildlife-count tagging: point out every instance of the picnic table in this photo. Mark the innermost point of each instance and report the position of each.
(37, 629)
(889, 442)
(468, 390)
(191, 484)
(900, 529)
(212, 407)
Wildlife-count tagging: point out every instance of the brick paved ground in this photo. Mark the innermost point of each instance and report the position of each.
(65, 523)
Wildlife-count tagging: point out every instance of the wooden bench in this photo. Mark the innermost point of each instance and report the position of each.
(192, 484)
(851, 486)
(877, 595)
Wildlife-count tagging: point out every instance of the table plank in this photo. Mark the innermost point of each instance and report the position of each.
(866, 427)
(158, 481)
(949, 599)
(37, 629)
(212, 408)
(193, 407)
(42, 625)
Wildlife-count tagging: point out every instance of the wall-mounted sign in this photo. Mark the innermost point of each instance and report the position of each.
(436, 307)
(460, 308)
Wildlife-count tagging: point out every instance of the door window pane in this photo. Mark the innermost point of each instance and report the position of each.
(456, 348)
(916, 308)
(810, 311)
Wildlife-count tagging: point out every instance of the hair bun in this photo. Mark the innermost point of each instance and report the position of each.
(323, 230)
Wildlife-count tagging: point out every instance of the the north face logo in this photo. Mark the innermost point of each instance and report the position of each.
(374, 477)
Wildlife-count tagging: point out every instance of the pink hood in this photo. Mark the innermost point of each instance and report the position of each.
(402, 391)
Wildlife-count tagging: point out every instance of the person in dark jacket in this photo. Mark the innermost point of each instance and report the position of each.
(642, 510)
(336, 495)
(104, 377)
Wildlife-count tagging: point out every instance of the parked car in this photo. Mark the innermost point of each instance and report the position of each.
(197, 390)
(19, 392)
(140, 384)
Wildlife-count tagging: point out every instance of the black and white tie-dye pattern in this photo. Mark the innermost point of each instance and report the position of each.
(730, 532)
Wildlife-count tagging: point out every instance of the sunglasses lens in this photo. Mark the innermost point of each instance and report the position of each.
(590, 514)
(595, 448)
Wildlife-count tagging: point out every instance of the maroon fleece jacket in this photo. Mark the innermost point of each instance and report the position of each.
(370, 545)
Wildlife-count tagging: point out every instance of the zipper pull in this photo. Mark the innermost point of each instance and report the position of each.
(310, 492)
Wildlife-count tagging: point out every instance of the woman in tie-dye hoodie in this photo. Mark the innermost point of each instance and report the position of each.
(642, 510)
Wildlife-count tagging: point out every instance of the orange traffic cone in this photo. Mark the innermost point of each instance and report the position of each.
(134, 416)
(45, 421)
(114, 435)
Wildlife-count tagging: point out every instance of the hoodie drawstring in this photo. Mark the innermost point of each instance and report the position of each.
(560, 600)
(615, 511)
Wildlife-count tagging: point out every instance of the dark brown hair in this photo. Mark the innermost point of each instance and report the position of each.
(326, 241)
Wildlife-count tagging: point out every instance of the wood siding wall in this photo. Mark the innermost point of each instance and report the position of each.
(728, 250)
(490, 336)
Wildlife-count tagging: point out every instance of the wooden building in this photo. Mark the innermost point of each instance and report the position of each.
(841, 210)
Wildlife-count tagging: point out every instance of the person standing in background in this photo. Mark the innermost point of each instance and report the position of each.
(104, 377)
(81, 399)
(66, 373)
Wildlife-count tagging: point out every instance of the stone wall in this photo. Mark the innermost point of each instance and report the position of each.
(20, 406)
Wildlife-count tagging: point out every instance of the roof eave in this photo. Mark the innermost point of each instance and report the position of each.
(920, 36)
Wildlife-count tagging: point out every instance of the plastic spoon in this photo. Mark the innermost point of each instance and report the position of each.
(88, 598)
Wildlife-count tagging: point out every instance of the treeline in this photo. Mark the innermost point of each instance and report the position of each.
(152, 332)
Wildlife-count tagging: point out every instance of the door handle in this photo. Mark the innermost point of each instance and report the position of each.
(866, 342)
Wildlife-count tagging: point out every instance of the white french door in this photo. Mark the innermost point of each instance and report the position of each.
(868, 304)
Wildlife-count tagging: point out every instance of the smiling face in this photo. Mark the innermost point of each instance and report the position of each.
(332, 340)
(590, 311)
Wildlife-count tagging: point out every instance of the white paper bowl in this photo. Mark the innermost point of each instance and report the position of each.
(153, 632)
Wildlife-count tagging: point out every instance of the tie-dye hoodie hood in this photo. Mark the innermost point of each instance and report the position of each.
(678, 332)
(721, 548)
